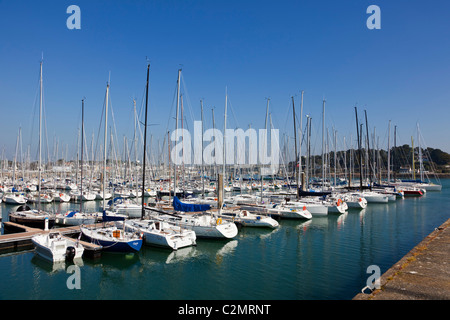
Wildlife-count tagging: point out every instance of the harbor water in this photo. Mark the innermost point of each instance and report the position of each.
(325, 258)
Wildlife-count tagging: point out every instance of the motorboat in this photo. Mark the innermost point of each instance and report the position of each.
(54, 247)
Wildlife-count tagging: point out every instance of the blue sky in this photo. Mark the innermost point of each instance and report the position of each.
(255, 49)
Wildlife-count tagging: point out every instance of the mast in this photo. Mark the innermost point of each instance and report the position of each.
(40, 137)
(420, 156)
(389, 153)
(323, 141)
(145, 142)
(412, 153)
(203, 167)
(395, 146)
(335, 157)
(82, 138)
(224, 142)
(300, 172)
(176, 129)
(295, 148)
(368, 148)
(359, 149)
(308, 148)
(104, 146)
(135, 154)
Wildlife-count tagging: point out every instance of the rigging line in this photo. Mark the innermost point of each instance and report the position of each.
(232, 112)
(173, 105)
(33, 114)
(188, 98)
(99, 128)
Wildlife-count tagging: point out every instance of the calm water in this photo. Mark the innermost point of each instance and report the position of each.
(324, 258)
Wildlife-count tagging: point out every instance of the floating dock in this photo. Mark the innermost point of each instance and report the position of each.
(21, 238)
(422, 274)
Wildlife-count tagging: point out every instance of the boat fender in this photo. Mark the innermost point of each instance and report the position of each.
(219, 221)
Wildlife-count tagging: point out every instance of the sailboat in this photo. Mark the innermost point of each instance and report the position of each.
(113, 239)
(39, 197)
(31, 217)
(196, 217)
(61, 197)
(72, 217)
(14, 198)
(160, 233)
(247, 219)
(24, 214)
(157, 232)
(110, 237)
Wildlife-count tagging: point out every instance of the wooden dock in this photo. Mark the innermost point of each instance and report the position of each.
(21, 238)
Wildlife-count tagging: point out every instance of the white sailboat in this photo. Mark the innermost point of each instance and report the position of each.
(162, 234)
(285, 211)
(61, 197)
(72, 217)
(247, 219)
(23, 214)
(75, 218)
(14, 198)
(125, 207)
(39, 197)
(205, 225)
(111, 238)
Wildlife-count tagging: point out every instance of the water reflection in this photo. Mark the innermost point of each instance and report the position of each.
(53, 267)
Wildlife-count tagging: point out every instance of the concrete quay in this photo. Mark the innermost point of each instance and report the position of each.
(422, 274)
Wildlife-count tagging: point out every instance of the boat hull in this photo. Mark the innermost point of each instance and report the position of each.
(56, 250)
(116, 245)
(32, 222)
(165, 237)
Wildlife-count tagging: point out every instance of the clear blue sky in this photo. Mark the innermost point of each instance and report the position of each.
(255, 49)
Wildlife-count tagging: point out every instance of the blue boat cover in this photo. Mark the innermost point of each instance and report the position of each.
(116, 200)
(187, 207)
(71, 214)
